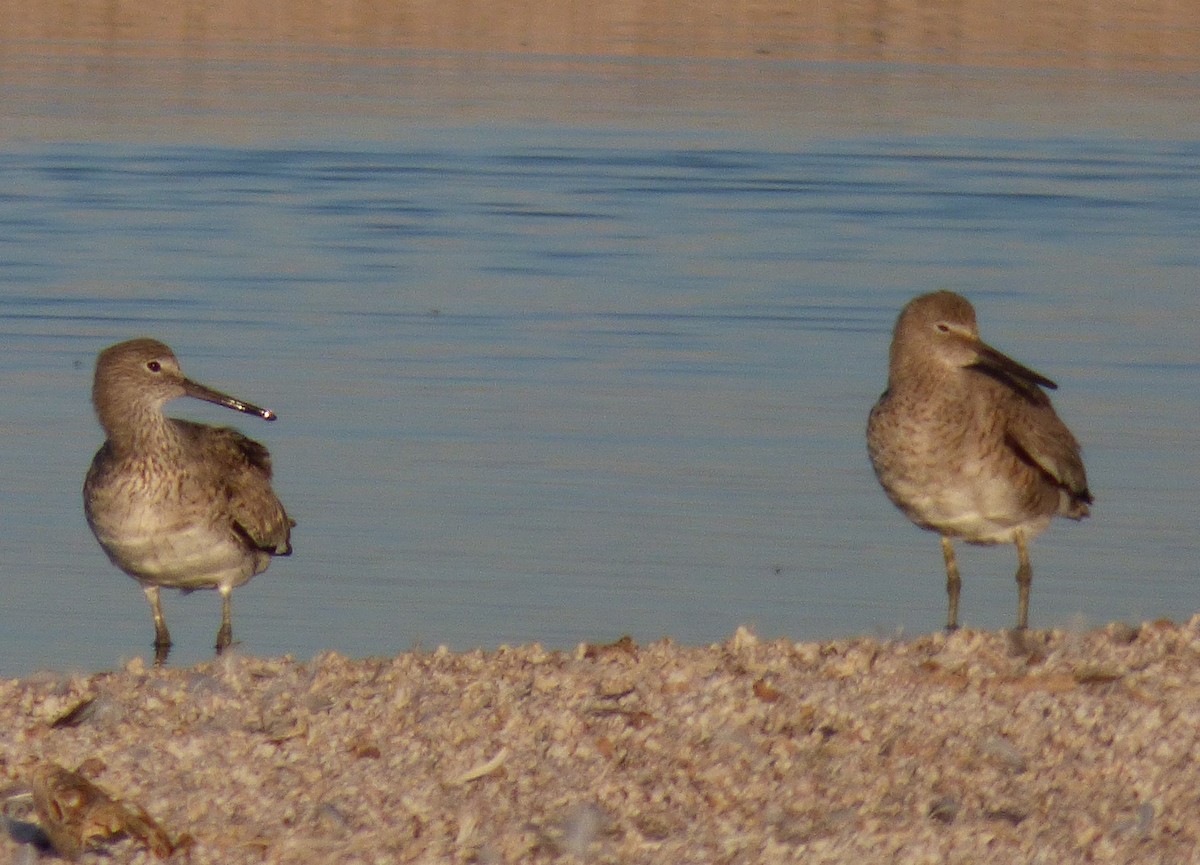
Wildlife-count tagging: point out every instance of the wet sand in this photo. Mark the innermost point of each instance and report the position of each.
(975, 747)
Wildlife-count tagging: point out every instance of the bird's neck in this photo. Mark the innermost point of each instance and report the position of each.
(142, 432)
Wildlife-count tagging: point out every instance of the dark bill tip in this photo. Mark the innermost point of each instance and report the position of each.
(199, 391)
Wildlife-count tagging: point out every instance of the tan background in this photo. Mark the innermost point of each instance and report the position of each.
(1162, 35)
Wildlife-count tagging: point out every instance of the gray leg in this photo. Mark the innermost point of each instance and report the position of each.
(1024, 581)
(225, 634)
(162, 637)
(953, 583)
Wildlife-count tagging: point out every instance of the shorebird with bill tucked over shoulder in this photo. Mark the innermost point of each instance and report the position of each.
(177, 504)
(966, 443)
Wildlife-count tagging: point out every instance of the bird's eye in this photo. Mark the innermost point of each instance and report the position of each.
(943, 327)
(154, 366)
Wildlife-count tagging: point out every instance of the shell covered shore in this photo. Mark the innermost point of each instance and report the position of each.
(973, 747)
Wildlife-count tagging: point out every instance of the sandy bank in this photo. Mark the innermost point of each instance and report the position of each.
(971, 748)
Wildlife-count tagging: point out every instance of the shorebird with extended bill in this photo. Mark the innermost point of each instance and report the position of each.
(177, 504)
(966, 443)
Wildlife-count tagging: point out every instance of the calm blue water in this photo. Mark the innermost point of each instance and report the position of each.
(563, 351)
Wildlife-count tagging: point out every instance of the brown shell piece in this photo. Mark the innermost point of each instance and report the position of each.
(73, 813)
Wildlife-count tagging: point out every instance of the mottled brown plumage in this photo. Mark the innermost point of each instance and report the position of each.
(966, 443)
(178, 504)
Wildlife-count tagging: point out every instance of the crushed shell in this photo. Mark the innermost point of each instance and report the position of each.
(973, 747)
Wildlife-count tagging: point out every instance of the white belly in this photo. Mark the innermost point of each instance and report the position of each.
(982, 513)
(157, 549)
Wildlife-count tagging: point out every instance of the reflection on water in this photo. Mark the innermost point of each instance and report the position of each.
(564, 369)
(1159, 35)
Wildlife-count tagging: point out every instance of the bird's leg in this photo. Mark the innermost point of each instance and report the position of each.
(953, 583)
(1024, 581)
(162, 637)
(225, 634)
